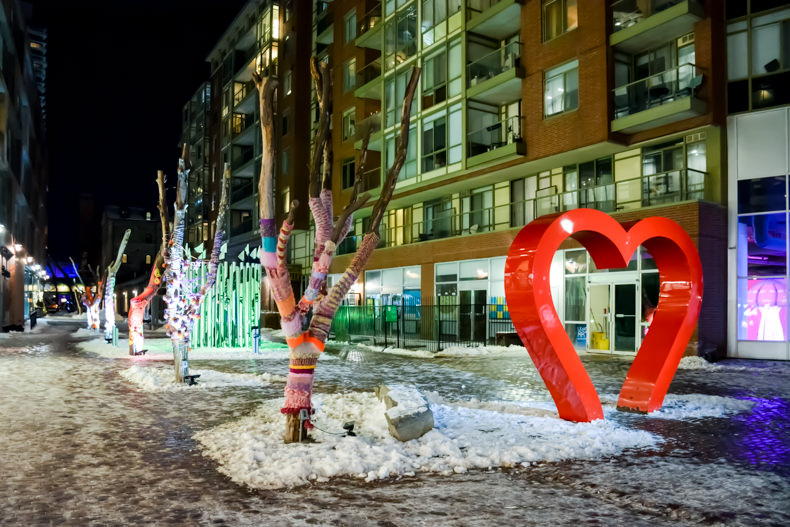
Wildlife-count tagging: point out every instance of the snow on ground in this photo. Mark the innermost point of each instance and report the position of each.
(471, 351)
(698, 363)
(686, 406)
(251, 450)
(161, 349)
(155, 379)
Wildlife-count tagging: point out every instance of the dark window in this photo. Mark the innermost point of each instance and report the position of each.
(761, 195)
(738, 96)
(348, 173)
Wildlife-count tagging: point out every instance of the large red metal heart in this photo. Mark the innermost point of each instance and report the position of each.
(611, 246)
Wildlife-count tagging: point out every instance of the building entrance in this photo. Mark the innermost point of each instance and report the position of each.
(612, 306)
(472, 312)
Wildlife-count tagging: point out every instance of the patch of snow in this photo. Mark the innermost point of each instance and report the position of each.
(161, 349)
(153, 379)
(697, 406)
(698, 363)
(251, 450)
(471, 351)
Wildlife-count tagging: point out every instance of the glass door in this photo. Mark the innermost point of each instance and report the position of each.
(472, 315)
(625, 321)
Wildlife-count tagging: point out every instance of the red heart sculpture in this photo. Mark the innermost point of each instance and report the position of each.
(611, 246)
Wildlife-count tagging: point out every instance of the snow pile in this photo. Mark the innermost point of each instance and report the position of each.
(471, 351)
(251, 450)
(697, 363)
(163, 379)
(697, 406)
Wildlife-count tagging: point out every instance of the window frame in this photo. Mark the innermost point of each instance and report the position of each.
(562, 70)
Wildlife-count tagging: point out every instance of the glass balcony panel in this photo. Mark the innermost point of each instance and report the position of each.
(493, 63)
(493, 136)
(667, 86)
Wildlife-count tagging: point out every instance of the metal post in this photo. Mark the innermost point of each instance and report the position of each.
(256, 335)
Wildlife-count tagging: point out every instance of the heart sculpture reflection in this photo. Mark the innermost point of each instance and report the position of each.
(610, 245)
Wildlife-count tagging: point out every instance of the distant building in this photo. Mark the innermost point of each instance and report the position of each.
(23, 166)
(140, 253)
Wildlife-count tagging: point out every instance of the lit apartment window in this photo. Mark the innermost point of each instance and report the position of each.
(349, 75)
(123, 258)
(441, 77)
(286, 199)
(561, 88)
(288, 82)
(349, 167)
(559, 16)
(349, 124)
(401, 37)
(148, 258)
(350, 25)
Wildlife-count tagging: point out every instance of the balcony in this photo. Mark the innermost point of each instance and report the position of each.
(242, 192)
(657, 100)
(495, 141)
(245, 99)
(369, 81)
(369, 29)
(324, 30)
(639, 25)
(243, 129)
(495, 78)
(371, 121)
(643, 191)
(497, 19)
(242, 165)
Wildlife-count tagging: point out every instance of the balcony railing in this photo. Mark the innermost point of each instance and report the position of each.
(626, 13)
(492, 64)
(243, 158)
(243, 191)
(474, 7)
(369, 73)
(493, 136)
(669, 85)
(644, 191)
(370, 21)
(246, 89)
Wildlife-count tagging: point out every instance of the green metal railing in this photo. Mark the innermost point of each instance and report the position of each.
(626, 13)
(492, 64)
(655, 90)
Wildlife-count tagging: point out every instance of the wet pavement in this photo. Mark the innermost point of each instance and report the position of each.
(82, 446)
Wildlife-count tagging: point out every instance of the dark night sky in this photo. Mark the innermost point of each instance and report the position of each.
(119, 73)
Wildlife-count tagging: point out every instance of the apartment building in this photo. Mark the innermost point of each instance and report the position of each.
(195, 133)
(758, 136)
(23, 165)
(525, 108)
(271, 38)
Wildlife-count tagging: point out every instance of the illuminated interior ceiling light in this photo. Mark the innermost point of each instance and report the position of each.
(17, 247)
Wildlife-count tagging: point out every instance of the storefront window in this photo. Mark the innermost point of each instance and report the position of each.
(762, 309)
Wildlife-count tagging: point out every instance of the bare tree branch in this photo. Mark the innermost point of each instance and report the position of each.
(266, 87)
(323, 83)
(388, 188)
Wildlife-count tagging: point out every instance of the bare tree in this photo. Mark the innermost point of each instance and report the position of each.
(139, 303)
(109, 288)
(183, 304)
(305, 347)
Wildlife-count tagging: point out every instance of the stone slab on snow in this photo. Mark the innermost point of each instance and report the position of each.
(408, 414)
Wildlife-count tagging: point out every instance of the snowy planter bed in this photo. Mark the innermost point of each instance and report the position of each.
(251, 450)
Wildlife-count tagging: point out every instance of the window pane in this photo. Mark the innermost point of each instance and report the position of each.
(575, 298)
(737, 58)
(761, 244)
(762, 309)
(761, 195)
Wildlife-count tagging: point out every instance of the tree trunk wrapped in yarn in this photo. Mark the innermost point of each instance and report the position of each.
(305, 346)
